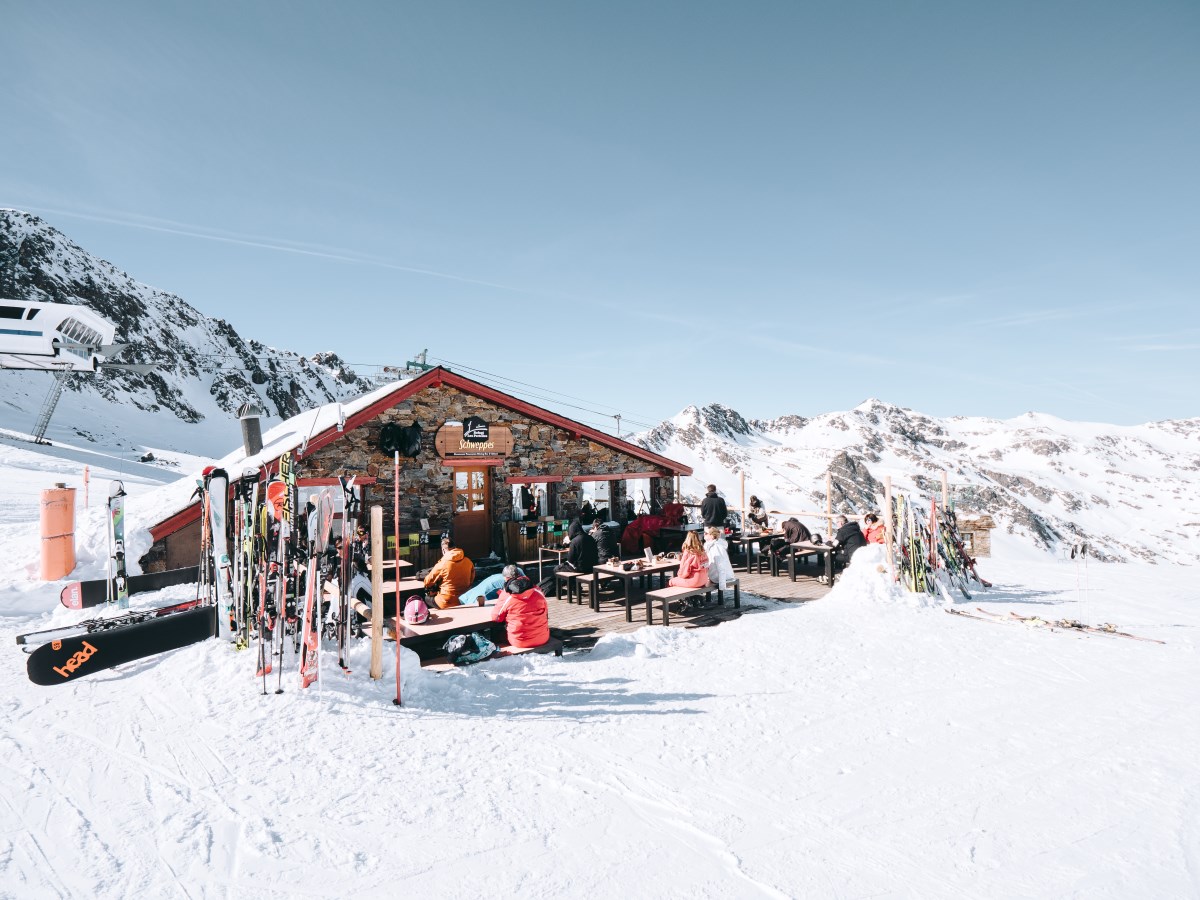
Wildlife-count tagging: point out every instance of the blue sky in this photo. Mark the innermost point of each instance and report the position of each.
(965, 208)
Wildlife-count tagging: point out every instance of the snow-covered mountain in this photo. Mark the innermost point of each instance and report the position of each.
(205, 369)
(1128, 491)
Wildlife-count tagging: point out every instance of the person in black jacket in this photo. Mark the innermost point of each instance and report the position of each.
(849, 537)
(606, 542)
(581, 556)
(794, 531)
(712, 509)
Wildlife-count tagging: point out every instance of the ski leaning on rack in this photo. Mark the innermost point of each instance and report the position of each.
(86, 594)
(319, 523)
(217, 488)
(72, 658)
(116, 543)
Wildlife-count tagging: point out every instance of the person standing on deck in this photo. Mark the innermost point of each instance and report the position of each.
(756, 514)
(712, 509)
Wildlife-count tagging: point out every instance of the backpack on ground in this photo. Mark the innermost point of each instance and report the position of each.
(464, 649)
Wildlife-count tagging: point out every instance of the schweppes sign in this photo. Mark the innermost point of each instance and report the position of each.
(453, 440)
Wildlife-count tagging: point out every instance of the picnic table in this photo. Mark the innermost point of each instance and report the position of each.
(747, 539)
(556, 554)
(605, 570)
(804, 548)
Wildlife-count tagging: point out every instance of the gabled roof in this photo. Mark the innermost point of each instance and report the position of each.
(309, 431)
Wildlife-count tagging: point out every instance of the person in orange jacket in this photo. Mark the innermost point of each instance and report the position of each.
(875, 531)
(693, 565)
(523, 607)
(451, 576)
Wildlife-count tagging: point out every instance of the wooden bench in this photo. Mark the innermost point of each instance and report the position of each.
(569, 579)
(443, 664)
(583, 583)
(667, 594)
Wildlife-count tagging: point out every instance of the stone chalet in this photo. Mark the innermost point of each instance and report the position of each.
(476, 448)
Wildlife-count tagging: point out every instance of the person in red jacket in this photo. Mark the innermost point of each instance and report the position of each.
(523, 607)
(693, 566)
(875, 531)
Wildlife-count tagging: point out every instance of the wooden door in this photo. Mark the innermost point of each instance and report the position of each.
(472, 511)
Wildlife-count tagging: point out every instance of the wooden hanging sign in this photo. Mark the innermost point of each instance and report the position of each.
(450, 441)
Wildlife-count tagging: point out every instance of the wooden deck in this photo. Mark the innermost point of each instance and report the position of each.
(579, 627)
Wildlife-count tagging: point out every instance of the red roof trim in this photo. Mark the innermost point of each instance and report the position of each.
(330, 482)
(181, 519)
(616, 476)
(464, 462)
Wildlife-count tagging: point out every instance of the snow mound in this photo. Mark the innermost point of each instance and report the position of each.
(865, 582)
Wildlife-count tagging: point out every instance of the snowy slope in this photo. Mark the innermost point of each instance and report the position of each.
(1131, 492)
(856, 746)
(205, 369)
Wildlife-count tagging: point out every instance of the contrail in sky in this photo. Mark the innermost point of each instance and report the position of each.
(334, 254)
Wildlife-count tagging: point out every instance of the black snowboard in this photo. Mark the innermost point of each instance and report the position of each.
(83, 594)
(73, 658)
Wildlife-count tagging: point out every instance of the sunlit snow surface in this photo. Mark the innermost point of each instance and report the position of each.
(863, 745)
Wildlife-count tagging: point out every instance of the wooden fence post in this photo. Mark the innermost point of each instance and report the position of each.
(376, 670)
(829, 503)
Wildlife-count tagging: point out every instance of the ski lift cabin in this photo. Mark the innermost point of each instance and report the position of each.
(52, 336)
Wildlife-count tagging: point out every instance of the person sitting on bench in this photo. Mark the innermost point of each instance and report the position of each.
(523, 607)
(451, 576)
(489, 589)
(716, 548)
(693, 565)
(606, 542)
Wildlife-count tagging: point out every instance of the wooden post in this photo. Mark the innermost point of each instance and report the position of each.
(889, 526)
(396, 532)
(745, 519)
(829, 503)
(376, 670)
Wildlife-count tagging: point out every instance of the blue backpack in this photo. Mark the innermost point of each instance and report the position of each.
(464, 649)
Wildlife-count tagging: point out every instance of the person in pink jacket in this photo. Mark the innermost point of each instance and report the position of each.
(693, 566)
(523, 607)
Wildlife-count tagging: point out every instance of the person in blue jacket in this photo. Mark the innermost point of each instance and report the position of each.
(489, 589)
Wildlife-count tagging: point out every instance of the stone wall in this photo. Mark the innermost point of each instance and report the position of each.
(425, 485)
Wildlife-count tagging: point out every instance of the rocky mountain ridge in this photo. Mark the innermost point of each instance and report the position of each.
(1130, 492)
(204, 370)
